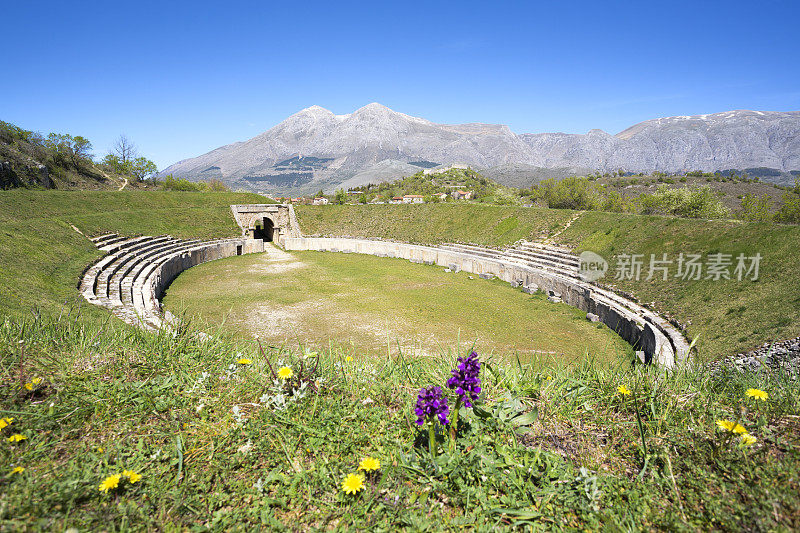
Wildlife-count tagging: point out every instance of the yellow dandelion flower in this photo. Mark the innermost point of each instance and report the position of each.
(18, 470)
(132, 476)
(36, 381)
(352, 484)
(748, 439)
(16, 438)
(549, 378)
(29, 386)
(348, 358)
(368, 464)
(5, 422)
(111, 482)
(757, 394)
(244, 361)
(100, 449)
(285, 372)
(622, 389)
(731, 426)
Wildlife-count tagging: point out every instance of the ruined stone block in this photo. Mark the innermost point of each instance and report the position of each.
(530, 289)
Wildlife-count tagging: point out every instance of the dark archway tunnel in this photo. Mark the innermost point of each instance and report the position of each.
(264, 230)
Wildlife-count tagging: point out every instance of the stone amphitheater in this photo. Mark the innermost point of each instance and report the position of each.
(133, 275)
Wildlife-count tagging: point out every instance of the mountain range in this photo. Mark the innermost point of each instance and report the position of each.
(317, 149)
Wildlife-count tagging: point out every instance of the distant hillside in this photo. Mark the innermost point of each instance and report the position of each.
(316, 149)
(428, 185)
(59, 161)
(63, 161)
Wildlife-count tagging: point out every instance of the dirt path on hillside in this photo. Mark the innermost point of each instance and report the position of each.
(551, 238)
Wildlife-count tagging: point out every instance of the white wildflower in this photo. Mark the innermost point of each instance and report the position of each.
(245, 448)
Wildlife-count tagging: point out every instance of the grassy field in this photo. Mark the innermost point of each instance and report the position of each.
(379, 305)
(432, 223)
(204, 436)
(728, 316)
(220, 443)
(42, 256)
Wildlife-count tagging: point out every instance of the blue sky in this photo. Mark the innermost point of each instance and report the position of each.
(180, 78)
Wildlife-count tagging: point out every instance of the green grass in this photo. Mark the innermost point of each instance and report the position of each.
(544, 448)
(547, 447)
(432, 223)
(379, 304)
(42, 257)
(728, 316)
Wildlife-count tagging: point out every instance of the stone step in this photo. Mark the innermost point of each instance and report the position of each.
(543, 258)
(547, 248)
(121, 243)
(468, 247)
(115, 282)
(144, 304)
(543, 265)
(101, 239)
(571, 261)
(464, 248)
(121, 258)
(571, 269)
(112, 241)
(155, 259)
(514, 256)
(478, 250)
(89, 283)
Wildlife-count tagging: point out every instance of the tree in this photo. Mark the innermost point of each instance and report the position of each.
(141, 168)
(68, 149)
(81, 147)
(124, 149)
(124, 158)
(341, 197)
(59, 144)
(789, 212)
(115, 164)
(756, 209)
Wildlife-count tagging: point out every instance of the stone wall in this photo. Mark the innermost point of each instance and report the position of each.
(153, 263)
(132, 278)
(643, 329)
(281, 215)
(158, 281)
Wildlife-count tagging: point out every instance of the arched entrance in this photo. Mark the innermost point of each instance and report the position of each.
(266, 222)
(264, 230)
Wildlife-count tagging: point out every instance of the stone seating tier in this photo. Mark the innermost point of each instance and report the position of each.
(134, 274)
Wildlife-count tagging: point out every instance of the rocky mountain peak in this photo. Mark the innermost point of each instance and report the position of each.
(377, 143)
(373, 108)
(314, 110)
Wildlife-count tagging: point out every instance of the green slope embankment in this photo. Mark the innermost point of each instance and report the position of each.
(42, 256)
(728, 316)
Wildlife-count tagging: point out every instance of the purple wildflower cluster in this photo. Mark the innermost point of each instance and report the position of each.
(465, 379)
(430, 403)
